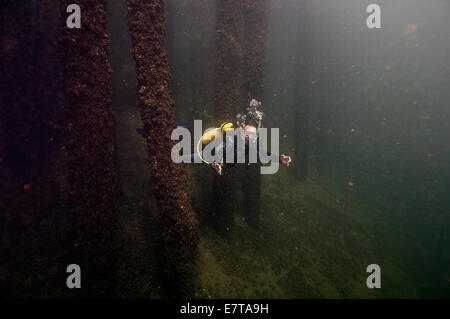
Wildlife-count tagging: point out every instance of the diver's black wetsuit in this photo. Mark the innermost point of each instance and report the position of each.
(234, 145)
(247, 148)
(224, 192)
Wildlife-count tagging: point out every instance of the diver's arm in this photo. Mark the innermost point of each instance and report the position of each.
(229, 146)
(217, 167)
(284, 159)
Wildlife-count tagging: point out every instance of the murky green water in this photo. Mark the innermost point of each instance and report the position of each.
(369, 110)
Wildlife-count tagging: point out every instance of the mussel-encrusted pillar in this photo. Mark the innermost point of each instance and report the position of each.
(255, 40)
(255, 17)
(178, 223)
(303, 86)
(89, 144)
(30, 135)
(228, 83)
(229, 59)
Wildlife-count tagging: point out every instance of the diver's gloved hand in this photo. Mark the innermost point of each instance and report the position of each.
(286, 160)
(217, 167)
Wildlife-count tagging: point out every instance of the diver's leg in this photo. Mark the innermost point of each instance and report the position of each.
(251, 183)
(223, 201)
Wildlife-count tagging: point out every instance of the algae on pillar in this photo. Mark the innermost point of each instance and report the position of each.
(30, 139)
(255, 35)
(228, 84)
(89, 143)
(178, 223)
(255, 41)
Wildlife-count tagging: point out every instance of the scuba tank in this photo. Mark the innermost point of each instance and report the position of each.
(211, 135)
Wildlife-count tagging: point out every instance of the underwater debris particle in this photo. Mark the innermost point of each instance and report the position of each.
(351, 184)
(410, 29)
(27, 219)
(398, 143)
(284, 135)
(26, 187)
(338, 201)
(281, 214)
(387, 67)
(52, 271)
(353, 130)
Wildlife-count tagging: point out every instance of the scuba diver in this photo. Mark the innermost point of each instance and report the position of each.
(224, 201)
(250, 124)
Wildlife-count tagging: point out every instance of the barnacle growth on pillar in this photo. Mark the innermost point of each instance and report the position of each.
(178, 223)
(89, 144)
(255, 40)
